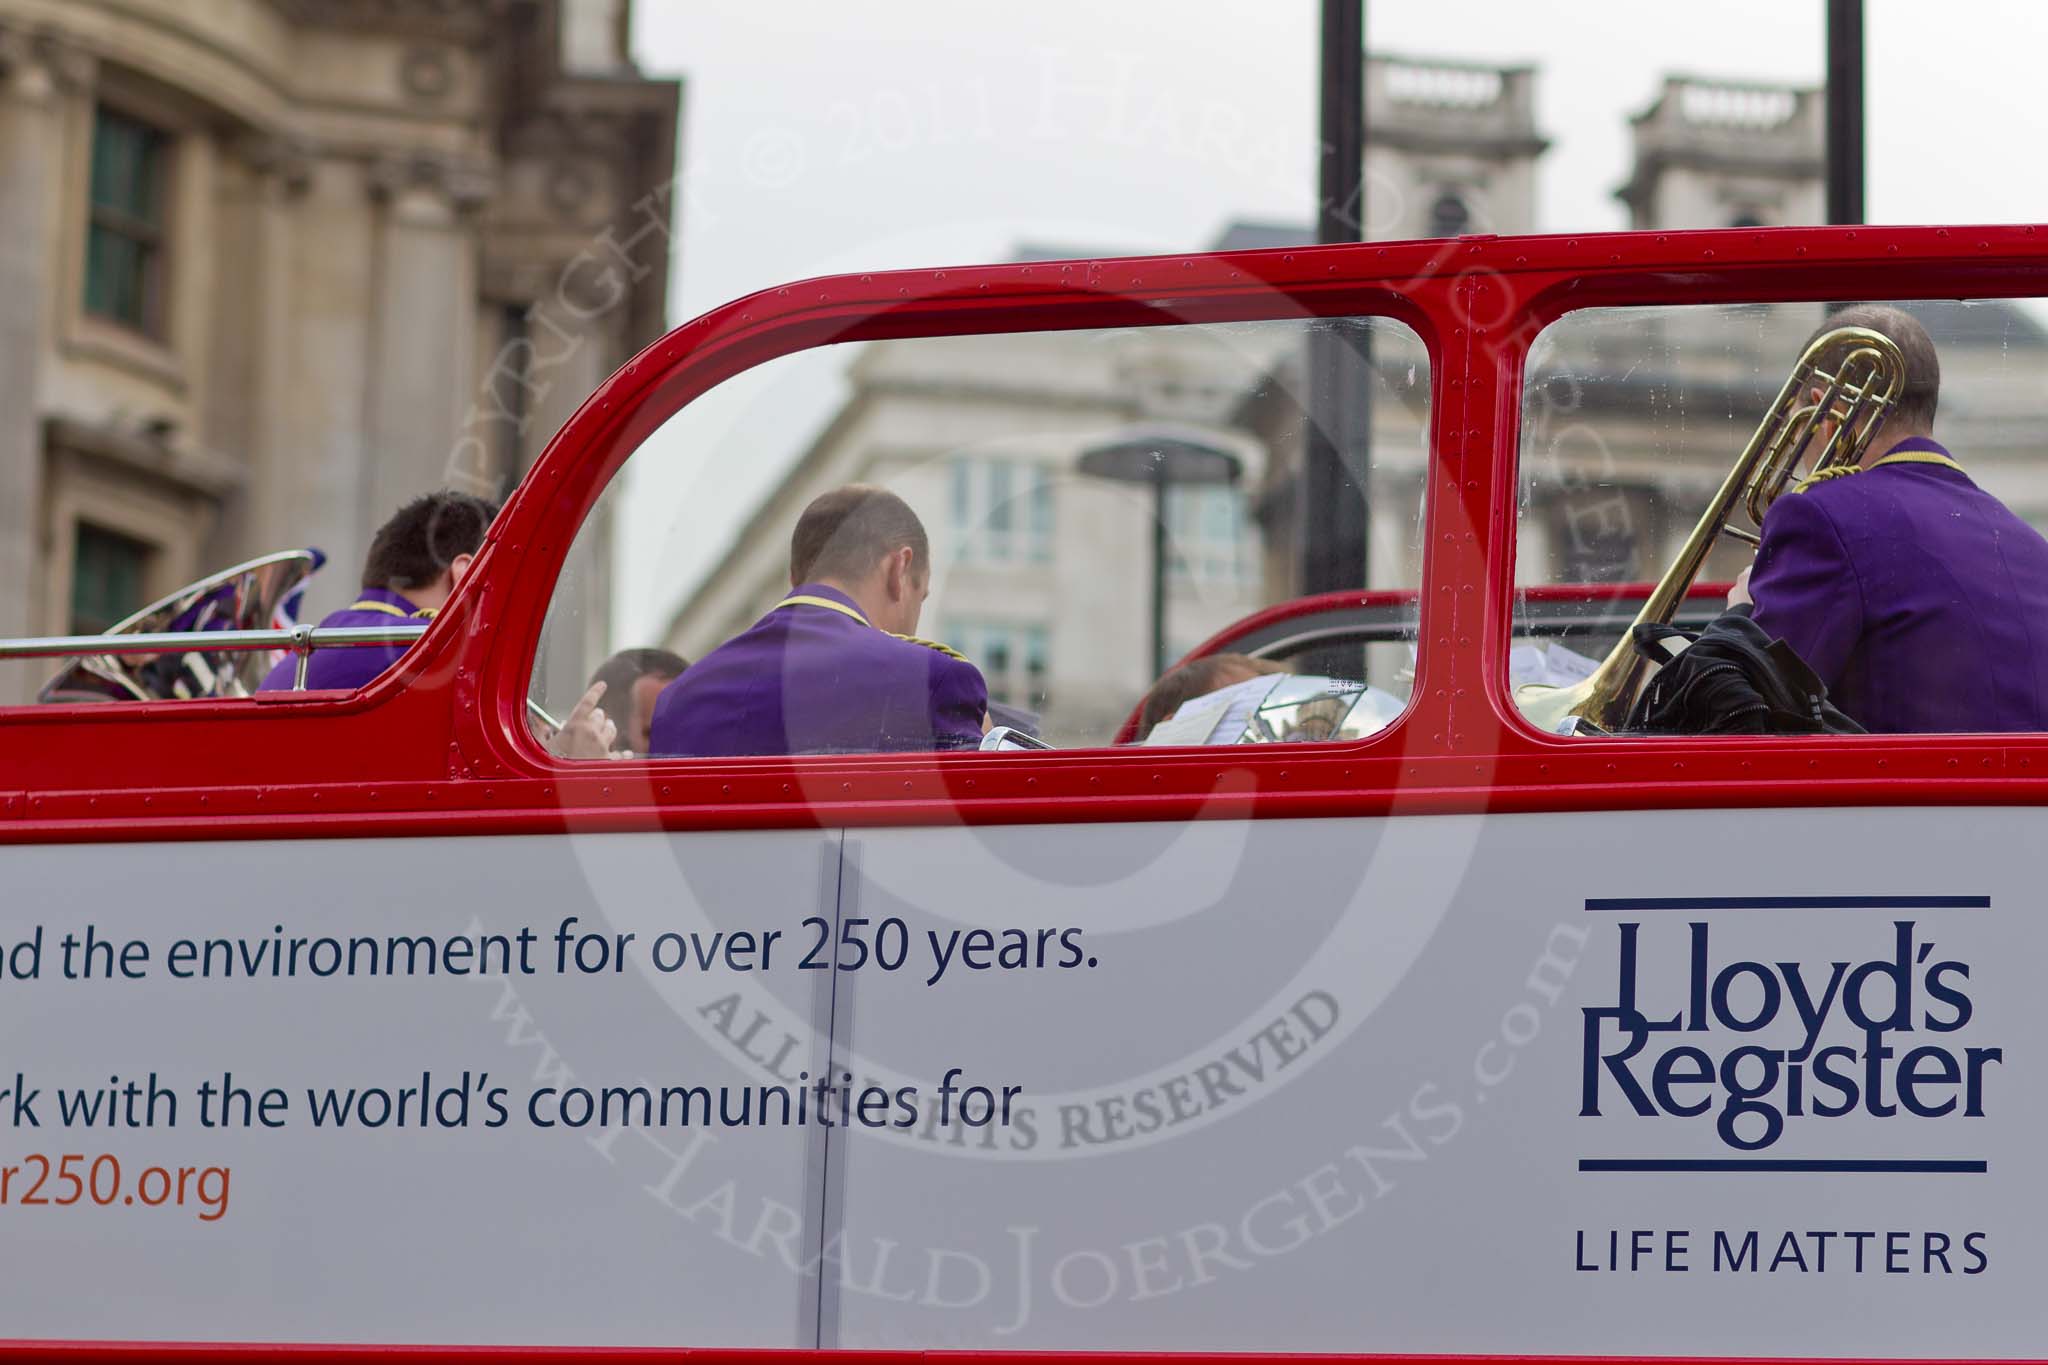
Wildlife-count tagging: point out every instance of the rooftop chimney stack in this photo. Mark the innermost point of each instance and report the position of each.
(1451, 148)
(1728, 154)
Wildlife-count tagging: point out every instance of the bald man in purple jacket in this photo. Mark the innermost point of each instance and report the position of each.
(1919, 599)
(835, 666)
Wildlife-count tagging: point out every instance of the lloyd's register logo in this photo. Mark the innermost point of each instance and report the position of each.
(1873, 1023)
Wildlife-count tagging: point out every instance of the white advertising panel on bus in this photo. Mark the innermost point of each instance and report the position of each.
(1529, 1084)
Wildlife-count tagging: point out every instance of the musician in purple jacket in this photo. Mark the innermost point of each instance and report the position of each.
(835, 667)
(1919, 599)
(415, 560)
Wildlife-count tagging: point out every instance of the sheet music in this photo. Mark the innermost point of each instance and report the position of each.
(1551, 665)
(1218, 717)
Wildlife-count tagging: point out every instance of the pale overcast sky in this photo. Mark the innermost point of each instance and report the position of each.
(820, 139)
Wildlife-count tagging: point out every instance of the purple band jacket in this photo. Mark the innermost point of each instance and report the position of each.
(1920, 599)
(352, 666)
(809, 679)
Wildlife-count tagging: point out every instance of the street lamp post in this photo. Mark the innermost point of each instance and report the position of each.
(1160, 455)
(1845, 111)
(1332, 501)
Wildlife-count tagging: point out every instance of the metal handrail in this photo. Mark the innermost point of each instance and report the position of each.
(1396, 624)
(228, 641)
(1539, 619)
(300, 640)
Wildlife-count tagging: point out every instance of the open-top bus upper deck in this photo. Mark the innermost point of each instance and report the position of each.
(1461, 1038)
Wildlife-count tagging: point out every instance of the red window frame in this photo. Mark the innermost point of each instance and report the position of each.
(440, 744)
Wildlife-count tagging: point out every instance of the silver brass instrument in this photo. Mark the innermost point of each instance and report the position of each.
(1859, 375)
(245, 597)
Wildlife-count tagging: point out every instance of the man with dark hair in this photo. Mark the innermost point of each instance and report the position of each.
(415, 560)
(1918, 598)
(633, 678)
(834, 667)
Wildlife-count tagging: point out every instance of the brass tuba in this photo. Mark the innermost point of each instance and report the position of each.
(248, 596)
(1860, 375)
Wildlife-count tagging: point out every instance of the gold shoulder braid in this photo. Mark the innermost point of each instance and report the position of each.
(806, 600)
(1907, 457)
(1839, 471)
(946, 650)
(423, 614)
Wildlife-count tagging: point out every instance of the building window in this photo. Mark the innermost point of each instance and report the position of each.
(1037, 665)
(997, 525)
(108, 570)
(1598, 535)
(1002, 510)
(963, 497)
(124, 246)
(1208, 537)
(1449, 216)
(1015, 660)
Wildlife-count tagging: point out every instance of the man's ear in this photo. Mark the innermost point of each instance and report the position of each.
(457, 567)
(898, 573)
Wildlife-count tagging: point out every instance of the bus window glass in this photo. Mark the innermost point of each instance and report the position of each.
(1076, 512)
(1904, 576)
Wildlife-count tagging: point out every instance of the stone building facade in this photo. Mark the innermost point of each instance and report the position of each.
(1041, 572)
(1726, 154)
(1635, 416)
(270, 267)
(1452, 147)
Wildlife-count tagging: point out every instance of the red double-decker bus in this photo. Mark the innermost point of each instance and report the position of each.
(1371, 1017)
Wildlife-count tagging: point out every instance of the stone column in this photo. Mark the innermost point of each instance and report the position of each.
(423, 350)
(34, 76)
(310, 449)
(252, 375)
